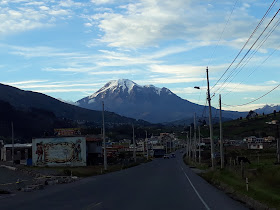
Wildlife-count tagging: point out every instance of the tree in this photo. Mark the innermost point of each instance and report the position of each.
(274, 112)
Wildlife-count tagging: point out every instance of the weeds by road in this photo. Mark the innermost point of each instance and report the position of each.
(263, 176)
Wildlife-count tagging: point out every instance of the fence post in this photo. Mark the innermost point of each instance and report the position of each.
(247, 184)
(242, 169)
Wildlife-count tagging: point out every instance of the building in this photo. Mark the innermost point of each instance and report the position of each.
(21, 152)
(255, 146)
(269, 139)
(94, 149)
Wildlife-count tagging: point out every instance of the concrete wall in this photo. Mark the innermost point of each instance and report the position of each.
(66, 151)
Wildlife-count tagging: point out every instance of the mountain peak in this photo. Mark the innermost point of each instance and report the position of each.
(124, 84)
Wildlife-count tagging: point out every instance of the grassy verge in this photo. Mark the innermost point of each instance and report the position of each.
(87, 170)
(263, 176)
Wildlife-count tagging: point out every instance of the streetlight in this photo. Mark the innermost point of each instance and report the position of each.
(210, 120)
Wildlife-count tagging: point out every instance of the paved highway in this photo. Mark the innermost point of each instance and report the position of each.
(163, 184)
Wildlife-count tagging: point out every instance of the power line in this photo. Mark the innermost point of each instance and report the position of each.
(248, 50)
(254, 52)
(232, 72)
(254, 99)
(225, 26)
(253, 70)
(252, 34)
(222, 32)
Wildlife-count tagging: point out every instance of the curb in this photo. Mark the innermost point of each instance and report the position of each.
(9, 167)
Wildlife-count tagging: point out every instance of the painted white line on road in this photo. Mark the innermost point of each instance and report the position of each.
(206, 206)
(93, 205)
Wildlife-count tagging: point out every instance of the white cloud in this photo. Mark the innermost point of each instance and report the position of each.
(87, 24)
(170, 80)
(98, 2)
(19, 16)
(243, 88)
(44, 8)
(188, 70)
(70, 3)
(59, 12)
(147, 23)
(113, 72)
(25, 82)
(243, 108)
(40, 51)
(271, 82)
(65, 90)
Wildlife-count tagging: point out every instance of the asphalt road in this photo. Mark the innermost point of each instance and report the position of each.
(163, 184)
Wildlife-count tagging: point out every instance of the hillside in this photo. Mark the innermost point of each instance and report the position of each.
(238, 129)
(27, 100)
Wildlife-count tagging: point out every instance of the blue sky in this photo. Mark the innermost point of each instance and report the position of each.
(69, 49)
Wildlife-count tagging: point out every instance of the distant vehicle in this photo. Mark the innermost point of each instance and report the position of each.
(166, 156)
(173, 155)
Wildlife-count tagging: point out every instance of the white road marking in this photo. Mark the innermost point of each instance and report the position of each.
(204, 203)
(93, 205)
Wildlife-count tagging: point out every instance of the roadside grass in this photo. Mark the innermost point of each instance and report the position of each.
(202, 166)
(86, 171)
(264, 180)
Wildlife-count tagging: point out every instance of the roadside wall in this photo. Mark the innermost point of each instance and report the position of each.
(66, 151)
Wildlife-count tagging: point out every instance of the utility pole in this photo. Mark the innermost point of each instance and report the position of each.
(104, 141)
(134, 145)
(187, 144)
(190, 141)
(147, 145)
(13, 144)
(221, 135)
(210, 121)
(199, 142)
(194, 123)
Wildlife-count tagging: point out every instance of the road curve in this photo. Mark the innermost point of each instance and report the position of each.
(163, 184)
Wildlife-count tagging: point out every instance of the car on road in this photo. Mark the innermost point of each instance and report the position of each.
(166, 156)
(172, 155)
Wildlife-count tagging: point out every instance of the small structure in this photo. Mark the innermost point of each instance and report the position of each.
(21, 152)
(269, 139)
(94, 149)
(256, 146)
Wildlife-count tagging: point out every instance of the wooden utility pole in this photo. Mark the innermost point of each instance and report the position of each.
(147, 145)
(134, 144)
(190, 142)
(104, 140)
(13, 144)
(221, 136)
(199, 142)
(195, 143)
(210, 122)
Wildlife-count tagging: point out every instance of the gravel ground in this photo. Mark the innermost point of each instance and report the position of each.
(8, 179)
(26, 175)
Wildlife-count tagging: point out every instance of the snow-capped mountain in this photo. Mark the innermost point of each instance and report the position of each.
(148, 102)
(267, 109)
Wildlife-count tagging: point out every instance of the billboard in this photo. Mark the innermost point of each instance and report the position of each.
(67, 132)
(63, 151)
